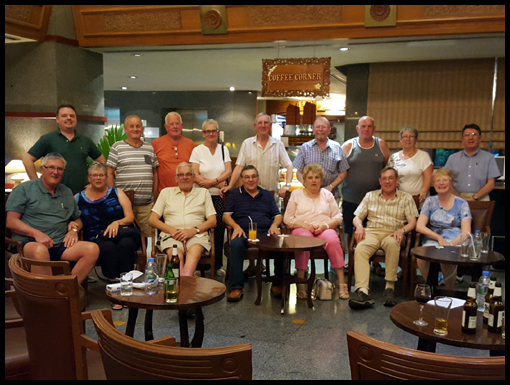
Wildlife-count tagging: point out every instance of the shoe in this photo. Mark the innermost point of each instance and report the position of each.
(301, 291)
(380, 271)
(249, 272)
(459, 279)
(276, 291)
(235, 295)
(343, 291)
(389, 297)
(220, 273)
(116, 306)
(360, 300)
(91, 279)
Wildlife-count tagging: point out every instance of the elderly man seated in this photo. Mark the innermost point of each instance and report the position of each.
(44, 216)
(188, 212)
(391, 214)
(249, 200)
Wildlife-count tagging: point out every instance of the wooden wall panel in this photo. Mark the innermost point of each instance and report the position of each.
(436, 97)
(28, 21)
(107, 25)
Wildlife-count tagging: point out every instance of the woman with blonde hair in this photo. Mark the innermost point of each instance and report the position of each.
(445, 220)
(313, 212)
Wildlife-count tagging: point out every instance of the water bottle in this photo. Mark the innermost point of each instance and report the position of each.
(477, 243)
(151, 277)
(481, 290)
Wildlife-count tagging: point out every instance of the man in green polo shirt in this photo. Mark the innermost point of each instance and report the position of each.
(75, 149)
(44, 216)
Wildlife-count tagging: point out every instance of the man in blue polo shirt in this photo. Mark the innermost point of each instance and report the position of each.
(252, 201)
(474, 170)
(75, 149)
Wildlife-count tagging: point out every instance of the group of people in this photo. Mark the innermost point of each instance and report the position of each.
(180, 190)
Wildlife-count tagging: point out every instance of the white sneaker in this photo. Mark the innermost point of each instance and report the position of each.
(220, 273)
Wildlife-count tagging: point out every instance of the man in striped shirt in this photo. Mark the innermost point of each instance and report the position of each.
(391, 214)
(132, 165)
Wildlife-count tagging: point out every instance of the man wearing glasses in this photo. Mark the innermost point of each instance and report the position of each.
(188, 213)
(474, 170)
(74, 147)
(44, 216)
(171, 150)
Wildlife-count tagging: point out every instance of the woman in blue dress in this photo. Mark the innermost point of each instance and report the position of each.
(445, 220)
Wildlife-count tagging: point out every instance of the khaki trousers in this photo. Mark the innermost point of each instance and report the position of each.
(142, 214)
(375, 239)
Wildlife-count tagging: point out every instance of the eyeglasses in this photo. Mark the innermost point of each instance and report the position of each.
(468, 134)
(210, 132)
(250, 177)
(97, 175)
(408, 137)
(187, 175)
(53, 168)
(390, 179)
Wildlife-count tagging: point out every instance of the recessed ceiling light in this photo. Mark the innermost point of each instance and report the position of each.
(137, 54)
(344, 49)
(133, 77)
(232, 89)
(124, 88)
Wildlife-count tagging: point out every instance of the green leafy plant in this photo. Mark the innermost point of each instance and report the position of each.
(113, 135)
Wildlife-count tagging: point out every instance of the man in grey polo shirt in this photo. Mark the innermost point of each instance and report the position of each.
(44, 216)
(474, 170)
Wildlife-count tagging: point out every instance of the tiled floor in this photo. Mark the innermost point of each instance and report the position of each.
(302, 344)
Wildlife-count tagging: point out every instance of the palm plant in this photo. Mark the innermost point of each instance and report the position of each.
(113, 135)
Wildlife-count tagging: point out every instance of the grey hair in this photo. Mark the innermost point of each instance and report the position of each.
(172, 113)
(262, 114)
(390, 168)
(98, 166)
(411, 129)
(210, 121)
(53, 155)
(184, 164)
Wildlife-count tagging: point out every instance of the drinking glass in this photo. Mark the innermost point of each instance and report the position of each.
(252, 231)
(126, 284)
(422, 296)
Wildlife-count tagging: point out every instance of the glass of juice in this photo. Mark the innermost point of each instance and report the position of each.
(252, 231)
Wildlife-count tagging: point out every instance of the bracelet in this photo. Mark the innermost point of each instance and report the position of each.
(326, 223)
(75, 230)
(403, 229)
(331, 185)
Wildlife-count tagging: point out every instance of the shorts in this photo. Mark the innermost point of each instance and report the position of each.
(55, 252)
(166, 241)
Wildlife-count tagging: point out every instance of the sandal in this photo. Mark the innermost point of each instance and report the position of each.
(116, 306)
(343, 294)
(301, 294)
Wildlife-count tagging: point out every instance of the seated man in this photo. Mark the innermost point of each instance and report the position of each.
(188, 212)
(390, 213)
(249, 200)
(44, 216)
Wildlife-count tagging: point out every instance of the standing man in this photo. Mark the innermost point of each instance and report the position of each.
(259, 204)
(171, 150)
(325, 152)
(75, 149)
(474, 170)
(132, 165)
(391, 214)
(267, 154)
(44, 216)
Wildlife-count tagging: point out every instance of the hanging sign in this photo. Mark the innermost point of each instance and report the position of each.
(296, 77)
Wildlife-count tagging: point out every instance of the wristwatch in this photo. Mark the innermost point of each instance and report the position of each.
(475, 197)
(198, 230)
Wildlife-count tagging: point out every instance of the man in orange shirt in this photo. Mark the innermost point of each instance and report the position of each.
(171, 150)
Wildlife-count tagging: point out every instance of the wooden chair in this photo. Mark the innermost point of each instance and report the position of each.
(125, 358)
(481, 213)
(371, 359)
(54, 324)
(380, 256)
(207, 257)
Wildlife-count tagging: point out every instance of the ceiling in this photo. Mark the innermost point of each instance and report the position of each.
(218, 67)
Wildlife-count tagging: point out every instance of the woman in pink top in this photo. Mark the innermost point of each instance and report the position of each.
(313, 212)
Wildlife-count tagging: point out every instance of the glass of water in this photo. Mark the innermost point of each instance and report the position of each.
(126, 284)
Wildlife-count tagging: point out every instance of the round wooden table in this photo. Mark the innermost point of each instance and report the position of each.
(195, 293)
(284, 246)
(403, 315)
(451, 255)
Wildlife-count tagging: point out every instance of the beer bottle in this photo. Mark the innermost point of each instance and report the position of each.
(470, 311)
(496, 310)
(488, 297)
(171, 280)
